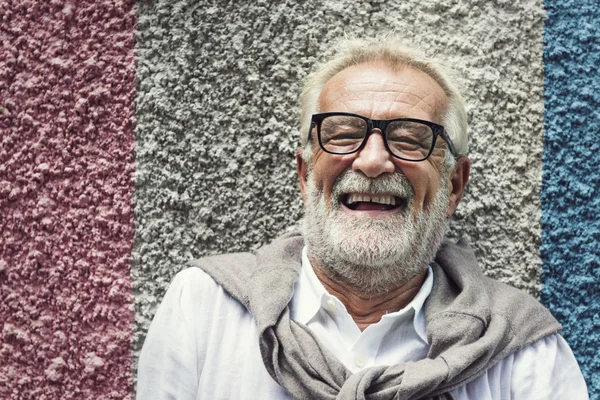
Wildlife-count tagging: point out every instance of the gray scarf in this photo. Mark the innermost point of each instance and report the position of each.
(472, 323)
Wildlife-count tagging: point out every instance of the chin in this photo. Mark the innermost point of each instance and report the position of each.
(367, 244)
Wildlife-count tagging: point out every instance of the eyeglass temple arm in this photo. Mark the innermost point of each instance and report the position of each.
(447, 139)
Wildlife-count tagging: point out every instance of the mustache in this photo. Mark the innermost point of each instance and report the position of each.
(396, 184)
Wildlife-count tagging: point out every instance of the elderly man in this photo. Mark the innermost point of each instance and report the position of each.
(368, 302)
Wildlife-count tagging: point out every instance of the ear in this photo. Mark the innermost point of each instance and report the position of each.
(302, 170)
(458, 182)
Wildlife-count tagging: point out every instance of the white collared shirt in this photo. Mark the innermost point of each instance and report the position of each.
(202, 344)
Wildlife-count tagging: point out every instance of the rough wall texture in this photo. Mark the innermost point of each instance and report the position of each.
(571, 182)
(217, 123)
(67, 83)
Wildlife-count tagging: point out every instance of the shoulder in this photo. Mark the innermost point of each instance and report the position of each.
(543, 370)
(197, 298)
(546, 369)
(193, 281)
(503, 296)
(242, 262)
(522, 311)
(192, 287)
(459, 274)
(231, 271)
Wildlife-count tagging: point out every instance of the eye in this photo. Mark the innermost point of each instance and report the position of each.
(405, 144)
(346, 133)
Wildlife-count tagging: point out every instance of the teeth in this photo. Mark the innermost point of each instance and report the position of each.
(381, 199)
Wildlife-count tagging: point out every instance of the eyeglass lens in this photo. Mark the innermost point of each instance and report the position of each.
(343, 134)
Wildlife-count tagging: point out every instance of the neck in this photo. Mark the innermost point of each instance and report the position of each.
(368, 308)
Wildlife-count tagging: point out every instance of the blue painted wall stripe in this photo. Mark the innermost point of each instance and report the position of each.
(570, 198)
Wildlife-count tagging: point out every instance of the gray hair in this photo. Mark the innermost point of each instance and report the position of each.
(391, 49)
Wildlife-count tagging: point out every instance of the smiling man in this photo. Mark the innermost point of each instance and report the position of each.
(368, 301)
(379, 189)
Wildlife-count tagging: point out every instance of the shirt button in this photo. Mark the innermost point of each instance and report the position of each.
(359, 361)
(332, 304)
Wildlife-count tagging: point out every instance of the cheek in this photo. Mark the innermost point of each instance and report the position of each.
(327, 168)
(432, 189)
(425, 183)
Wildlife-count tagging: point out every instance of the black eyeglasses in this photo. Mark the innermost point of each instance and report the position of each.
(405, 138)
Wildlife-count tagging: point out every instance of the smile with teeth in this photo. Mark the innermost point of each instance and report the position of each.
(381, 199)
(362, 201)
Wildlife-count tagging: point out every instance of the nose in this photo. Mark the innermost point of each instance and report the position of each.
(374, 159)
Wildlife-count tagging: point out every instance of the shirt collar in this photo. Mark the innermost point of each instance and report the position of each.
(309, 292)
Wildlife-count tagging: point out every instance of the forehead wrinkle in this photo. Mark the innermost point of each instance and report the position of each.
(425, 100)
(389, 91)
(350, 88)
(400, 98)
(398, 88)
(364, 87)
(422, 96)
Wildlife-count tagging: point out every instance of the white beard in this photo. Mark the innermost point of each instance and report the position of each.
(369, 254)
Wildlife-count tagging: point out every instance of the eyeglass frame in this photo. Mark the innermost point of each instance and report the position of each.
(381, 124)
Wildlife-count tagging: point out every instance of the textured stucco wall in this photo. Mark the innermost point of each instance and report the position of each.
(67, 83)
(217, 85)
(571, 179)
(217, 123)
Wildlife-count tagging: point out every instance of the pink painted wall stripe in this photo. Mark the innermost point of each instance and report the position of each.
(67, 90)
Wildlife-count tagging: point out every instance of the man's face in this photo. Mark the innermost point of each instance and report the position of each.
(376, 91)
(367, 230)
